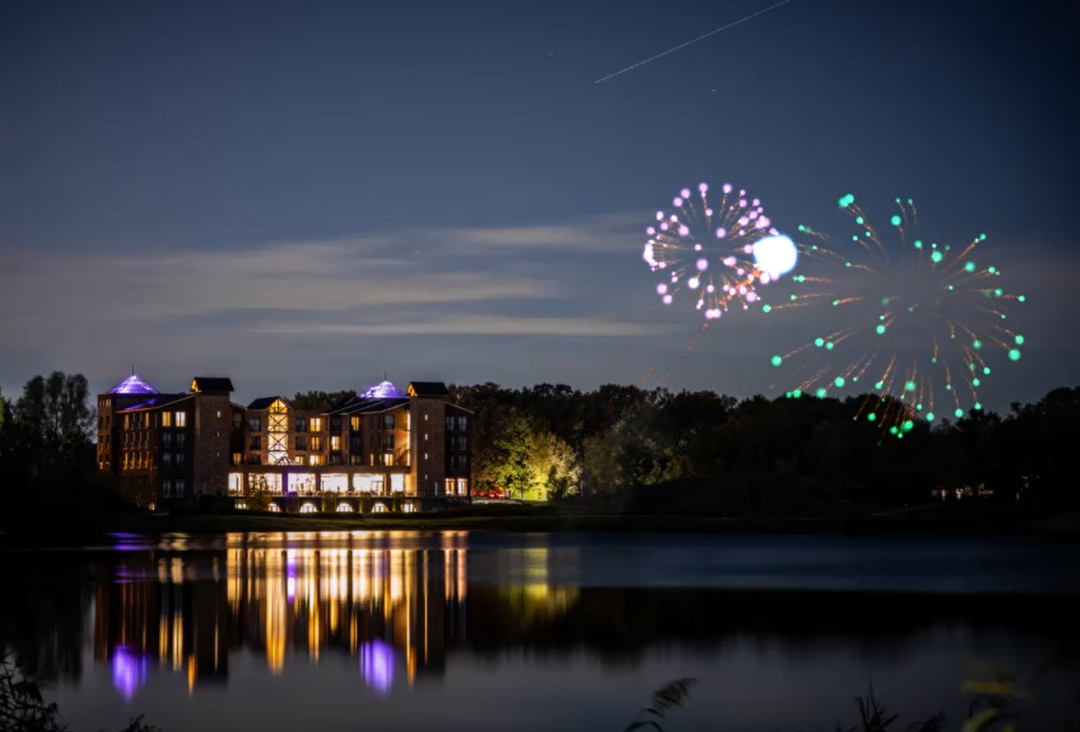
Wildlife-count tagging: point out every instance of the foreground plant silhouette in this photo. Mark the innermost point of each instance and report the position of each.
(664, 699)
(24, 709)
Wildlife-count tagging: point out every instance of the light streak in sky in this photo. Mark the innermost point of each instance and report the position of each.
(695, 40)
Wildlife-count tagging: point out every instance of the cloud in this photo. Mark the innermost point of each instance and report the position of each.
(472, 324)
(321, 277)
(612, 233)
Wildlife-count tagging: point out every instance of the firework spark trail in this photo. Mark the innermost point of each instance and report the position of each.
(689, 43)
(931, 298)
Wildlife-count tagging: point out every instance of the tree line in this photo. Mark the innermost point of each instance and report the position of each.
(553, 441)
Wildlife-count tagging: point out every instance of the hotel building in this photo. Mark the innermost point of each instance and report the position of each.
(383, 450)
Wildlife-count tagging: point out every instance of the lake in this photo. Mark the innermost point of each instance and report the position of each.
(413, 631)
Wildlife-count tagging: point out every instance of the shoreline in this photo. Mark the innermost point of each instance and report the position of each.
(933, 520)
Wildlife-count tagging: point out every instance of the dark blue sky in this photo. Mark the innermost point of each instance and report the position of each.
(305, 194)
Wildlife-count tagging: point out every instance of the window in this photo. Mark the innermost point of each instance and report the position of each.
(335, 442)
(335, 424)
(180, 439)
(219, 414)
(166, 419)
(178, 488)
(409, 508)
(450, 424)
(388, 442)
(166, 439)
(315, 442)
(254, 442)
(371, 458)
(166, 460)
(301, 442)
(237, 420)
(180, 419)
(236, 457)
(166, 488)
(378, 508)
(354, 424)
(316, 460)
(388, 458)
(356, 444)
(425, 418)
(255, 424)
(300, 424)
(241, 506)
(179, 459)
(254, 459)
(462, 423)
(462, 487)
(309, 508)
(425, 437)
(335, 459)
(425, 456)
(388, 421)
(274, 508)
(344, 508)
(316, 424)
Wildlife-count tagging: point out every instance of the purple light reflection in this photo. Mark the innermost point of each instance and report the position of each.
(290, 575)
(383, 390)
(377, 665)
(133, 385)
(128, 672)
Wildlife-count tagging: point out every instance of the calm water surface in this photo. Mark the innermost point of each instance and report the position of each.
(458, 631)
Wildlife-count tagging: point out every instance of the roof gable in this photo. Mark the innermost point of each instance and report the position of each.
(265, 402)
(427, 389)
(211, 383)
(133, 385)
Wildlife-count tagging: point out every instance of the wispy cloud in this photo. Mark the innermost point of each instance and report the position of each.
(613, 233)
(471, 324)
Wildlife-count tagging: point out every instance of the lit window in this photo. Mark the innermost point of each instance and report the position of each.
(316, 424)
(344, 508)
(309, 508)
(316, 442)
(425, 456)
(425, 437)
(335, 442)
(241, 505)
(378, 508)
(388, 458)
(181, 419)
(219, 414)
(408, 508)
(315, 460)
(274, 508)
(166, 419)
(355, 424)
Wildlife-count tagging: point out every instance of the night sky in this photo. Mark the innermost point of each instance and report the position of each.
(307, 194)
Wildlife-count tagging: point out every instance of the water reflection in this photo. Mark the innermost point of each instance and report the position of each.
(170, 622)
(390, 608)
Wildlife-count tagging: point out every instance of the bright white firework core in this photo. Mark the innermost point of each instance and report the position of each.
(776, 255)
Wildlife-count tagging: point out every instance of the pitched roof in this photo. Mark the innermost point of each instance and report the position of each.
(156, 402)
(428, 388)
(133, 385)
(265, 402)
(367, 406)
(211, 383)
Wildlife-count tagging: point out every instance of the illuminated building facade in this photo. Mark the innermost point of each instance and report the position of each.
(383, 450)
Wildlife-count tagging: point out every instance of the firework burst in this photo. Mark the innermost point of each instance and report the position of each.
(705, 251)
(915, 321)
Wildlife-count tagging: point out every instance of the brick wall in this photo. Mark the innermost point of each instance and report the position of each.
(210, 437)
(428, 457)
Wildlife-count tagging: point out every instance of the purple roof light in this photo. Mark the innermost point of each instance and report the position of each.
(133, 385)
(383, 390)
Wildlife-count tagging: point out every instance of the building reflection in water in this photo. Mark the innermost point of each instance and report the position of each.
(398, 611)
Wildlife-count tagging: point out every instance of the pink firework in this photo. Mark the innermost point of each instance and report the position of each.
(702, 250)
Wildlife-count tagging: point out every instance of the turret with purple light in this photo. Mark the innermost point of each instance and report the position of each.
(383, 390)
(133, 385)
